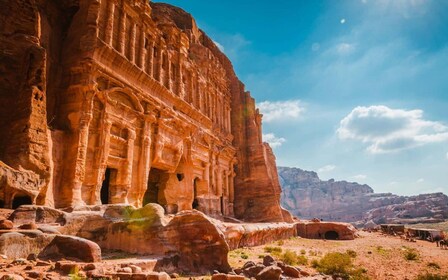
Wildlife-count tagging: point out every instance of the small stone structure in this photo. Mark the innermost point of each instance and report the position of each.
(126, 101)
(325, 230)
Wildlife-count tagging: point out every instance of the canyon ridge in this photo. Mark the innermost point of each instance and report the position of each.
(307, 196)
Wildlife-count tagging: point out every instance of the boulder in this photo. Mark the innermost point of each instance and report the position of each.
(248, 264)
(11, 276)
(269, 273)
(21, 244)
(268, 260)
(26, 214)
(31, 225)
(6, 224)
(253, 271)
(70, 247)
(290, 271)
(222, 276)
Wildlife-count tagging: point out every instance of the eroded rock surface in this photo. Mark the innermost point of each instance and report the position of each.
(126, 102)
(306, 196)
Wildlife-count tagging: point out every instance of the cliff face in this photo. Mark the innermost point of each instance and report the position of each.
(306, 196)
(114, 101)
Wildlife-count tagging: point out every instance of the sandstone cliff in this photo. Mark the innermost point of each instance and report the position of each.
(307, 196)
(117, 101)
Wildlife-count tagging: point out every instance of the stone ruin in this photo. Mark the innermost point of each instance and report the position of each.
(126, 102)
(122, 123)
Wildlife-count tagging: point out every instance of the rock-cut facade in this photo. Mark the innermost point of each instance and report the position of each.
(126, 102)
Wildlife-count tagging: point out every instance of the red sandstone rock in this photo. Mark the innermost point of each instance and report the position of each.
(221, 276)
(103, 107)
(290, 271)
(22, 243)
(325, 230)
(6, 224)
(63, 246)
(269, 273)
(11, 277)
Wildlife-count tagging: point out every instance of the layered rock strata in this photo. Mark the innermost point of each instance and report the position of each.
(188, 241)
(307, 196)
(114, 101)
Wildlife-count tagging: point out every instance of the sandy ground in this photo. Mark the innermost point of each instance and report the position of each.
(381, 255)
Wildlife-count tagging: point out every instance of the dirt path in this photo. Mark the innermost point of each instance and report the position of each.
(381, 255)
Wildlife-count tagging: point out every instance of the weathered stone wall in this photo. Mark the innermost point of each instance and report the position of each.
(114, 101)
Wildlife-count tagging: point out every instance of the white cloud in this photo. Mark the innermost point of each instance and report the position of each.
(281, 110)
(273, 140)
(359, 177)
(345, 48)
(421, 180)
(343, 21)
(326, 168)
(388, 130)
(446, 155)
(220, 47)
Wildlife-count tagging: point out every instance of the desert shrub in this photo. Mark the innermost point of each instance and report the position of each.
(430, 276)
(292, 258)
(433, 265)
(303, 252)
(382, 251)
(351, 253)
(280, 242)
(272, 249)
(244, 255)
(410, 254)
(339, 265)
(312, 253)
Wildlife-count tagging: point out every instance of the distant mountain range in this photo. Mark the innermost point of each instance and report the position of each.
(307, 196)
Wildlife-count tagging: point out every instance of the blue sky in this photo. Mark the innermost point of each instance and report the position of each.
(356, 90)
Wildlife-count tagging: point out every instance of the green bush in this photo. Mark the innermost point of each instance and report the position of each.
(339, 265)
(273, 250)
(280, 242)
(292, 258)
(429, 276)
(433, 265)
(351, 253)
(410, 254)
(303, 252)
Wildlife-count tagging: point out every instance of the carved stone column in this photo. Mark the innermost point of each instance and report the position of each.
(103, 155)
(145, 160)
(128, 163)
(150, 60)
(81, 156)
(122, 32)
(141, 61)
(132, 43)
(110, 11)
(207, 175)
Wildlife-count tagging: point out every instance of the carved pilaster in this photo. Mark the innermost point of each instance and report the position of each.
(122, 32)
(145, 159)
(141, 61)
(81, 156)
(150, 60)
(103, 155)
(132, 43)
(109, 22)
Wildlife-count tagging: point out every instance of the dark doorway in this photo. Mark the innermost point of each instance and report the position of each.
(195, 204)
(21, 200)
(154, 181)
(222, 205)
(331, 235)
(105, 187)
